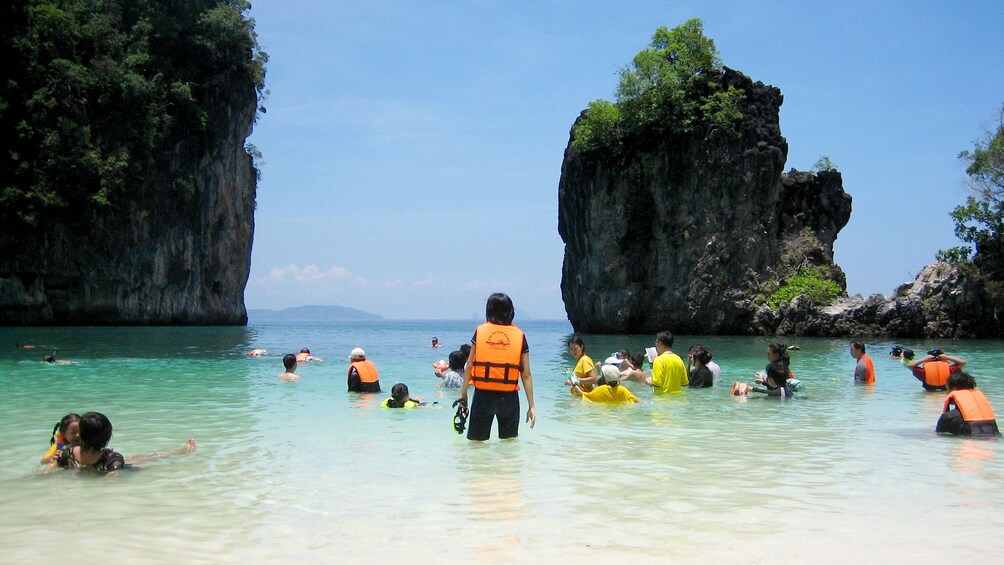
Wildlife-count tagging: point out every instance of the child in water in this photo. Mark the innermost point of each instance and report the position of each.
(92, 452)
(399, 398)
(775, 381)
(66, 432)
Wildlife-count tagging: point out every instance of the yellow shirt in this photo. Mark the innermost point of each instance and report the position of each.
(669, 374)
(609, 394)
(583, 366)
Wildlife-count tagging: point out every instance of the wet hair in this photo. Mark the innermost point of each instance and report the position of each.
(499, 309)
(624, 353)
(305, 350)
(465, 350)
(860, 346)
(702, 354)
(961, 381)
(398, 396)
(95, 431)
(638, 359)
(289, 361)
(896, 351)
(781, 350)
(435, 340)
(778, 372)
(457, 361)
(50, 358)
(62, 425)
(908, 354)
(577, 341)
(665, 338)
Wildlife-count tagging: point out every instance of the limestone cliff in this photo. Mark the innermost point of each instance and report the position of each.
(158, 257)
(692, 231)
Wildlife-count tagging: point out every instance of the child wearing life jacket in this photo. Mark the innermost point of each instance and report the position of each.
(967, 411)
(66, 432)
(399, 398)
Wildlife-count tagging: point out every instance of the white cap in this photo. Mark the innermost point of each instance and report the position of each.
(610, 373)
(357, 353)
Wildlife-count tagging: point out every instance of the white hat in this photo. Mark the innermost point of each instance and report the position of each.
(357, 353)
(610, 373)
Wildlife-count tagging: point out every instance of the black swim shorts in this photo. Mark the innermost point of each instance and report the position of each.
(489, 405)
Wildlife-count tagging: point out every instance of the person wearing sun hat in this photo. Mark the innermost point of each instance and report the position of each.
(363, 375)
(611, 392)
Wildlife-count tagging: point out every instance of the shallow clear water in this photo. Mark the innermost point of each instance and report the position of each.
(306, 471)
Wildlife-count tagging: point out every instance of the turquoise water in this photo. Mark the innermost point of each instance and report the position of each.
(306, 471)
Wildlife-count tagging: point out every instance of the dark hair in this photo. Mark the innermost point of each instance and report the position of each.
(62, 425)
(665, 338)
(465, 350)
(961, 381)
(908, 354)
(624, 353)
(781, 350)
(398, 396)
(702, 354)
(577, 341)
(50, 358)
(860, 346)
(95, 431)
(638, 359)
(305, 350)
(499, 309)
(457, 361)
(778, 372)
(896, 351)
(289, 361)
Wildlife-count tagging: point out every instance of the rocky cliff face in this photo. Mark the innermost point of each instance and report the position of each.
(690, 232)
(944, 301)
(162, 256)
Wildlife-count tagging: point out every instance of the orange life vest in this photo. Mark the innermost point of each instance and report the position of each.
(869, 368)
(498, 354)
(936, 373)
(972, 403)
(367, 371)
(302, 357)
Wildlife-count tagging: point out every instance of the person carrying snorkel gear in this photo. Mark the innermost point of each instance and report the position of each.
(499, 361)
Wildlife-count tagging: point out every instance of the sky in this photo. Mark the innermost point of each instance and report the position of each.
(412, 149)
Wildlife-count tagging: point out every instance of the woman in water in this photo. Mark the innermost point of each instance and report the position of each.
(776, 353)
(585, 370)
(700, 375)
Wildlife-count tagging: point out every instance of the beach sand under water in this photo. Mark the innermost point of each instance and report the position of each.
(308, 472)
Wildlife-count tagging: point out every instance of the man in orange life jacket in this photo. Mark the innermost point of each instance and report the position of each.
(967, 411)
(363, 375)
(864, 370)
(499, 361)
(933, 369)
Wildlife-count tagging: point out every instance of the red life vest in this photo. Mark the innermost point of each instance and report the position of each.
(936, 373)
(498, 354)
(366, 370)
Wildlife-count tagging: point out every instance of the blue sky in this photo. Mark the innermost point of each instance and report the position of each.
(412, 149)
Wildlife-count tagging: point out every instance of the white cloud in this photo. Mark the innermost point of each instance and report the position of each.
(308, 274)
(429, 280)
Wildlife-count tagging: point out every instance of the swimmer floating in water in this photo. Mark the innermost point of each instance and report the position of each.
(400, 398)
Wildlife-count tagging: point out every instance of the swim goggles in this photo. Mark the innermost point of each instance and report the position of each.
(460, 418)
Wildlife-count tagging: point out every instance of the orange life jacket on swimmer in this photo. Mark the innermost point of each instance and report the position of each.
(869, 368)
(972, 403)
(498, 352)
(302, 357)
(367, 371)
(936, 373)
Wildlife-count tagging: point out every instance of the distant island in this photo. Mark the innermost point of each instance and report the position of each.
(311, 314)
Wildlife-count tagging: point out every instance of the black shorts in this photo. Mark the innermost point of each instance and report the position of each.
(491, 404)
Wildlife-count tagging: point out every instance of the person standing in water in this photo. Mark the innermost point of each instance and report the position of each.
(289, 362)
(669, 374)
(864, 370)
(499, 360)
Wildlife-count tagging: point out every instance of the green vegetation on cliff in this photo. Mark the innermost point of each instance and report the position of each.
(812, 283)
(980, 221)
(98, 93)
(671, 85)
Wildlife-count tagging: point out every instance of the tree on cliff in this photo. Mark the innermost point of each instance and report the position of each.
(980, 221)
(96, 93)
(670, 85)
